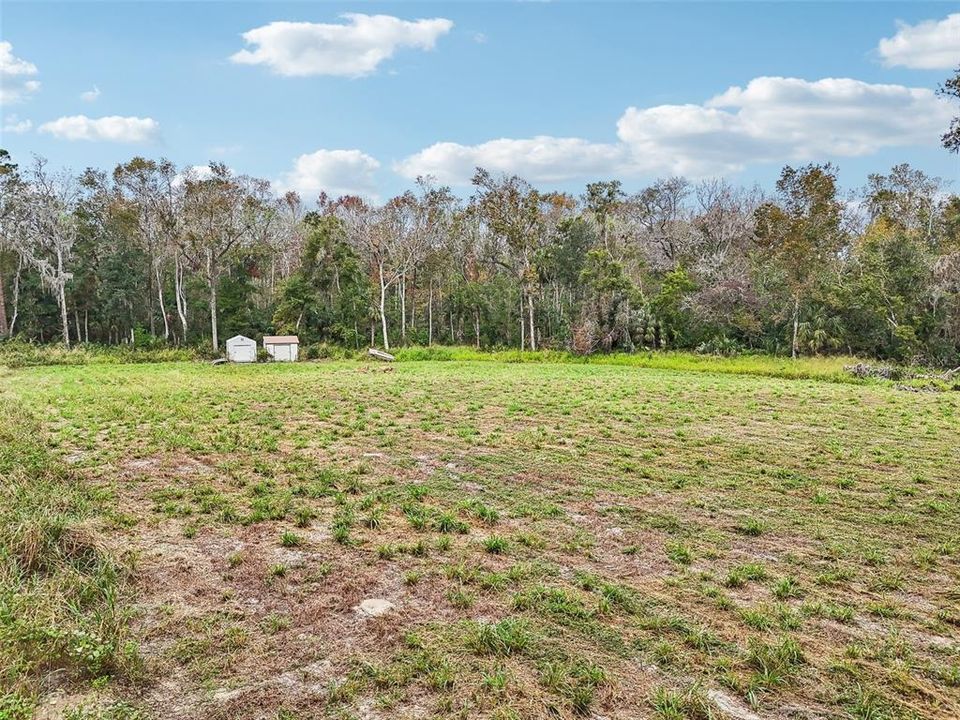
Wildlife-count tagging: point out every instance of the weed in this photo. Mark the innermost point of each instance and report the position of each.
(510, 636)
(447, 522)
(496, 544)
(751, 527)
(679, 553)
(289, 540)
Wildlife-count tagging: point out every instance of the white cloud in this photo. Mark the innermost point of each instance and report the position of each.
(90, 95)
(776, 119)
(929, 45)
(16, 76)
(112, 128)
(771, 120)
(350, 49)
(336, 172)
(539, 159)
(14, 125)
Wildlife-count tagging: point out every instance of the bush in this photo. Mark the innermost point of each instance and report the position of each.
(16, 353)
(326, 351)
(722, 346)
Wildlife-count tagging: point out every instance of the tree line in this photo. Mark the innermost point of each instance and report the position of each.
(150, 253)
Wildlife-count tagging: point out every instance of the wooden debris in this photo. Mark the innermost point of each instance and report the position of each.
(380, 355)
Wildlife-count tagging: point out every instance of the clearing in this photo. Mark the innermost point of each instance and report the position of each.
(548, 540)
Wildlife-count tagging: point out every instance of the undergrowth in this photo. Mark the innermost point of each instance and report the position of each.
(61, 593)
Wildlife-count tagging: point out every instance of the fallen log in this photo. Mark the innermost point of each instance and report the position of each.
(380, 355)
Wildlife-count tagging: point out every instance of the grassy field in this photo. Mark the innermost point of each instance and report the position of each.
(556, 540)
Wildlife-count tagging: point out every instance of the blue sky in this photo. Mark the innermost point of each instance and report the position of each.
(550, 82)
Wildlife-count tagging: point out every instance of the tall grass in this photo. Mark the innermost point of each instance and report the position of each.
(809, 368)
(61, 592)
(14, 354)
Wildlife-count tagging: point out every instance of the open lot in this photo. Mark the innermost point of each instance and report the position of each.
(554, 541)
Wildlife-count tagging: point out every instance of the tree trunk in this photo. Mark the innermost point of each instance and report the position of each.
(150, 313)
(383, 311)
(413, 303)
(16, 297)
(62, 299)
(180, 296)
(430, 316)
(402, 289)
(523, 325)
(212, 282)
(796, 325)
(533, 330)
(214, 337)
(64, 318)
(163, 308)
(4, 329)
(76, 323)
(476, 326)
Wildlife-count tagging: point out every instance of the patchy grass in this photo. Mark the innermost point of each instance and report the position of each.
(559, 539)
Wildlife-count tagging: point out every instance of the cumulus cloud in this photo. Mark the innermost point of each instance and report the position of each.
(351, 49)
(112, 128)
(540, 159)
(775, 119)
(336, 172)
(772, 119)
(929, 45)
(14, 125)
(16, 76)
(90, 95)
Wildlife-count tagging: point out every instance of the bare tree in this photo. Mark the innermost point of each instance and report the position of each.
(151, 187)
(11, 215)
(49, 229)
(907, 198)
(723, 226)
(221, 212)
(661, 221)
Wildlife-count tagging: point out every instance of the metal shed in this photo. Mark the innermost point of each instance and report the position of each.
(282, 348)
(241, 349)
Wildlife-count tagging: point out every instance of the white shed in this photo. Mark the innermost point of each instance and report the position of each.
(241, 349)
(282, 348)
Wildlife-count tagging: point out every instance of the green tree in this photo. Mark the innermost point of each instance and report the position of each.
(327, 296)
(802, 232)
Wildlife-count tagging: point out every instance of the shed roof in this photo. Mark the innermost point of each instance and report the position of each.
(281, 340)
(240, 338)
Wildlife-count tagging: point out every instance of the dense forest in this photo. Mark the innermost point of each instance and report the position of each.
(150, 253)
